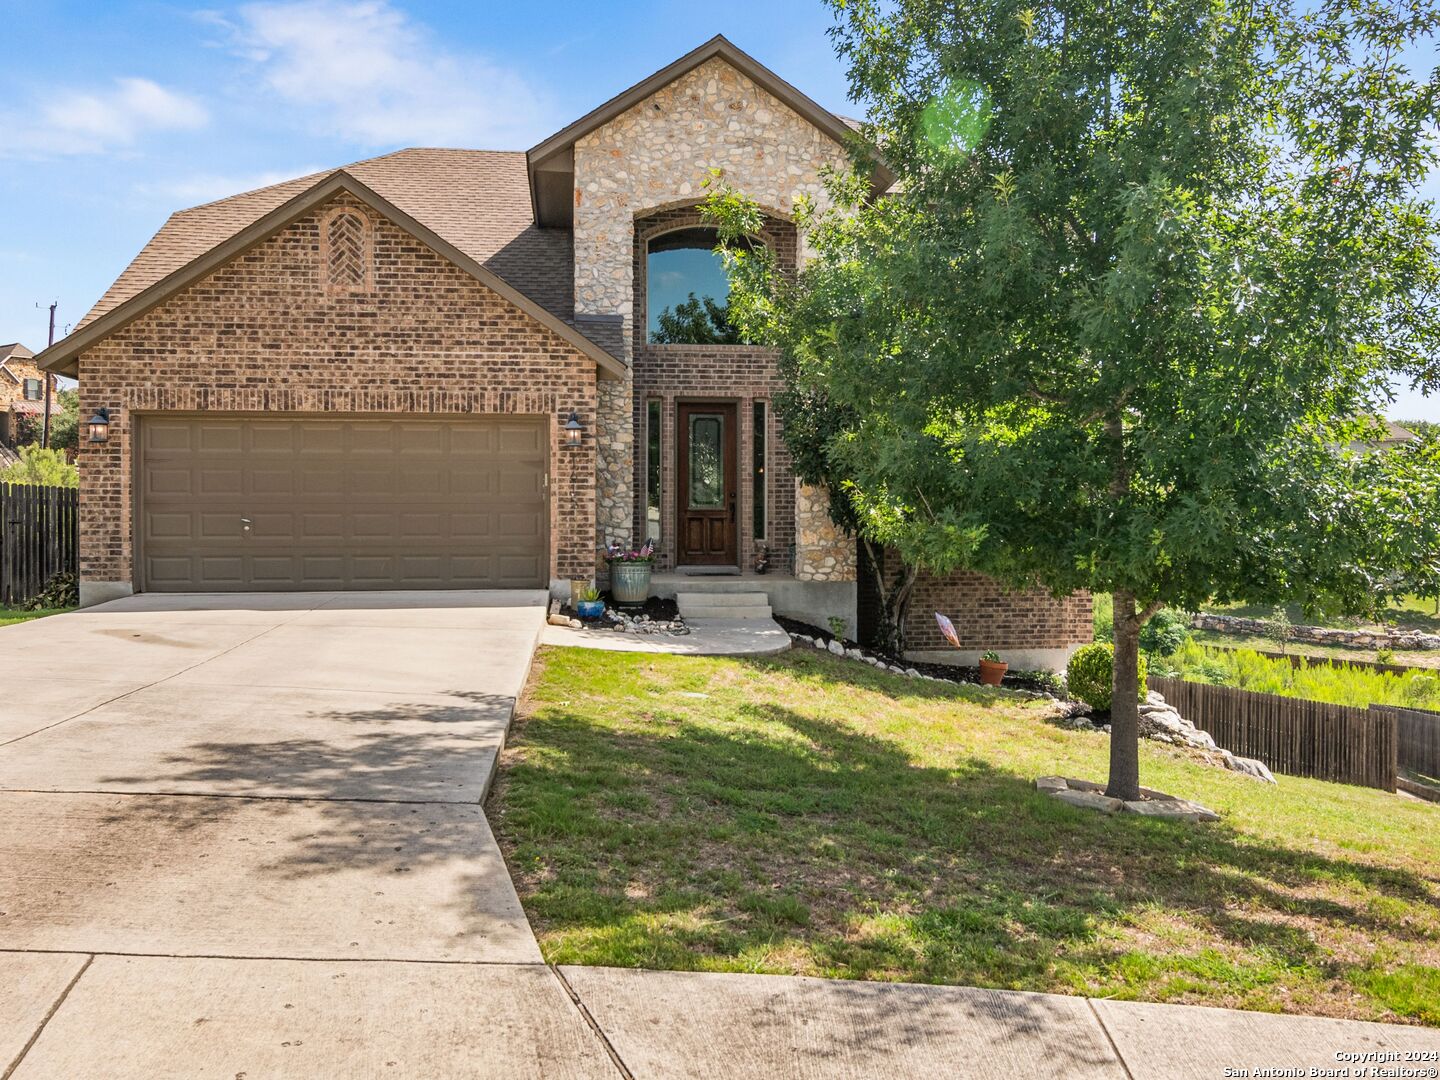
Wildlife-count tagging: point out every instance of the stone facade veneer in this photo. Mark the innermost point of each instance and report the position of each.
(822, 550)
(658, 155)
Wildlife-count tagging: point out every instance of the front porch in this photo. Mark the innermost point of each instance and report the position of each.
(813, 602)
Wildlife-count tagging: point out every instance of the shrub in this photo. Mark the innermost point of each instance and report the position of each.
(1091, 675)
(1166, 631)
(1313, 680)
(61, 591)
(37, 466)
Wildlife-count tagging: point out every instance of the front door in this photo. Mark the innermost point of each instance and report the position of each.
(707, 488)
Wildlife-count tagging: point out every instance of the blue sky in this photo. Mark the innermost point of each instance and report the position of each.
(114, 114)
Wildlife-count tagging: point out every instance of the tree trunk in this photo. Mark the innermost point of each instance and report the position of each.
(1125, 703)
(894, 603)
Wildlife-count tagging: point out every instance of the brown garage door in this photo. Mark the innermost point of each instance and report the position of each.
(245, 503)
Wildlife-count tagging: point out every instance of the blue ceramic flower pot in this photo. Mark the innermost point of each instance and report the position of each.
(590, 609)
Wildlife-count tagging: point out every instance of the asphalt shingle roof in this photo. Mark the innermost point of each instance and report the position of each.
(478, 200)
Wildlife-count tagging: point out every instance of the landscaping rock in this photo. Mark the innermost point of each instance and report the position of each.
(836, 648)
(556, 619)
(1249, 766)
(1090, 800)
(1090, 795)
(1175, 809)
(1321, 635)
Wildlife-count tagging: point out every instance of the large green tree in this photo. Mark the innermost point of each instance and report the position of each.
(1148, 268)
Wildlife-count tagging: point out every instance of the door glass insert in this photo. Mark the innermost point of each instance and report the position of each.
(707, 474)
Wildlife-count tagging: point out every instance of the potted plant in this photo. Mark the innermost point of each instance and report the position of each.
(630, 572)
(992, 668)
(588, 604)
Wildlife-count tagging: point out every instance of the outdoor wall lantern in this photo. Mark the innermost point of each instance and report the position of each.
(99, 426)
(573, 429)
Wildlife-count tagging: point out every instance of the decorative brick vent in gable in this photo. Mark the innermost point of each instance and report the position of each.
(347, 252)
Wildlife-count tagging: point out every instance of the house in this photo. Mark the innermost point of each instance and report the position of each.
(449, 369)
(22, 391)
(1394, 435)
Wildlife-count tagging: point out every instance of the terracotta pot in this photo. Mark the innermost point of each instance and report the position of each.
(992, 671)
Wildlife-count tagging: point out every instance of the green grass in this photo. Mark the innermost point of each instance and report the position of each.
(807, 815)
(1410, 658)
(10, 616)
(1339, 685)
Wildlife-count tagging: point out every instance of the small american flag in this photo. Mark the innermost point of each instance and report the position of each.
(947, 628)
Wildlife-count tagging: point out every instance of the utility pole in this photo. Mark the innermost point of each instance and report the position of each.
(49, 381)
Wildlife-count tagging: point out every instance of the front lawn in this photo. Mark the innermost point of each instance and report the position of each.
(9, 616)
(807, 815)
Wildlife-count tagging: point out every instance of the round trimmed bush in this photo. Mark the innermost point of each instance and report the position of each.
(1090, 675)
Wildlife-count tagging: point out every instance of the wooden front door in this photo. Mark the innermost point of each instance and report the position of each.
(707, 489)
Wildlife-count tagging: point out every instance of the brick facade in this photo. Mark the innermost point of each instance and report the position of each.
(268, 332)
(986, 614)
(743, 374)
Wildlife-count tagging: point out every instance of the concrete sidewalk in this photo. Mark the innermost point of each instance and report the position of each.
(147, 1018)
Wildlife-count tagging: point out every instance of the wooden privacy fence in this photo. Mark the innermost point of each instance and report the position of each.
(1419, 731)
(1291, 735)
(37, 538)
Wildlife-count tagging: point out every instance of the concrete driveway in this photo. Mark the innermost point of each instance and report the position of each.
(262, 813)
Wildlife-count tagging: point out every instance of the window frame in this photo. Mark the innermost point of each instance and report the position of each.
(654, 468)
(759, 463)
(39, 385)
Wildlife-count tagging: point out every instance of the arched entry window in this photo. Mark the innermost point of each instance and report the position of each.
(687, 297)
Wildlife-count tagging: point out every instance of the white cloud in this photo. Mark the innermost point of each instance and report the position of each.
(97, 121)
(207, 187)
(365, 71)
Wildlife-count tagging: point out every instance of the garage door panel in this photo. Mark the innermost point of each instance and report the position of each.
(272, 481)
(519, 438)
(171, 526)
(342, 503)
(220, 570)
(279, 439)
(322, 528)
(217, 481)
(225, 437)
(273, 571)
(320, 437)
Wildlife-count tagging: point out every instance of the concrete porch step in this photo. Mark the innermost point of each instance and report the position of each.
(755, 605)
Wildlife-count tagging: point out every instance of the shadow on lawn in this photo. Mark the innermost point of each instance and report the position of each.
(674, 843)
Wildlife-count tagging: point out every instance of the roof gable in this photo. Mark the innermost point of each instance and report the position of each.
(551, 162)
(62, 357)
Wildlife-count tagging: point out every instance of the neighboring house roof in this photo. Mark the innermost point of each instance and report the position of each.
(32, 408)
(13, 351)
(196, 242)
(552, 161)
(1395, 435)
